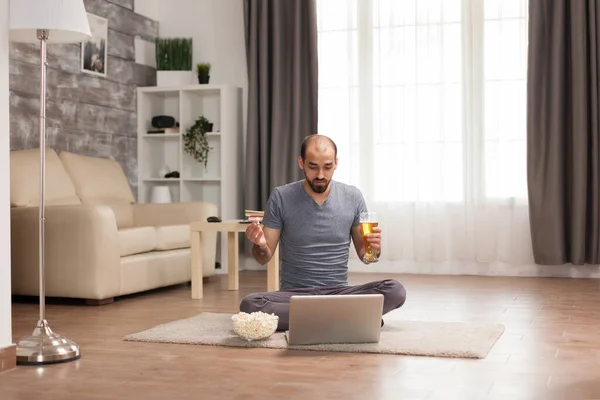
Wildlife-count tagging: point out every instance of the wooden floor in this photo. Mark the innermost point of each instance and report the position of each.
(550, 350)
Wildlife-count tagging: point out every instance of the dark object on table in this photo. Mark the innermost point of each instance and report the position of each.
(213, 219)
(172, 174)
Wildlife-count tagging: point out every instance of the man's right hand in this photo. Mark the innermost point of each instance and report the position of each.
(255, 234)
(264, 240)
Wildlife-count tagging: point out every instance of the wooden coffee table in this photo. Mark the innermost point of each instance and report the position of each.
(232, 227)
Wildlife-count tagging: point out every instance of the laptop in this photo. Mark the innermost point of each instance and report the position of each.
(320, 319)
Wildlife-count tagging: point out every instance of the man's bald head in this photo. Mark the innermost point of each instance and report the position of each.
(319, 142)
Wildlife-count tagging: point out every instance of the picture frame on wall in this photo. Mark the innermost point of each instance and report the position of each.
(94, 51)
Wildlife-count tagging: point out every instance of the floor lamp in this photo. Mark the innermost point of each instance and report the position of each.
(46, 21)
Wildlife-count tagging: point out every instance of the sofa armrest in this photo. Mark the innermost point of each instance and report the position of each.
(81, 252)
(172, 213)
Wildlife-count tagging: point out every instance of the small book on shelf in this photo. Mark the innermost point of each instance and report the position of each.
(154, 131)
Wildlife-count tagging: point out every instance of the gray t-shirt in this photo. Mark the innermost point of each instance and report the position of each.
(315, 240)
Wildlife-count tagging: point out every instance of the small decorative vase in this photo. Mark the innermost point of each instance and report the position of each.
(161, 194)
(208, 127)
(202, 79)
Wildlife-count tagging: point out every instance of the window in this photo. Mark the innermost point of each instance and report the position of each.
(425, 98)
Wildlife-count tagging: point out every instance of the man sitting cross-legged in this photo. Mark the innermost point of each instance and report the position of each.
(313, 220)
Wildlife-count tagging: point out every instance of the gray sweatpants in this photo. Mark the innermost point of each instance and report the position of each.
(278, 303)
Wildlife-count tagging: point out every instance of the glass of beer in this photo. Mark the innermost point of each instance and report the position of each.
(368, 221)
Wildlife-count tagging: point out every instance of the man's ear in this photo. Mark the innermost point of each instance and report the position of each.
(300, 162)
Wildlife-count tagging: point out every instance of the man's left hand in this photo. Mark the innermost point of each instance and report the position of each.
(374, 239)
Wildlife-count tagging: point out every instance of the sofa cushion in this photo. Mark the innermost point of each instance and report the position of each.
(172, 237)
(25, 180)
(96, 179)
(137, 240)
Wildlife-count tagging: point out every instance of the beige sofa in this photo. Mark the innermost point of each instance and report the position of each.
(99, 243)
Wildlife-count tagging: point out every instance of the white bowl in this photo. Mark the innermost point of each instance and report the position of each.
(254, 326)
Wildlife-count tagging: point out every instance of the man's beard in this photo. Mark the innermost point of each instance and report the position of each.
(317, 188)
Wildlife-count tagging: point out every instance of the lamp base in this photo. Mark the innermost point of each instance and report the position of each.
(45, 347)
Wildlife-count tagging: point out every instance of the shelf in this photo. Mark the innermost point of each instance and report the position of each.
(194, 87)
(194, 170)
(219, 181)
(162, 135)
(157, 103)
(161, 180)
(176, 135)
(159, 153)
(204, 103)
(201, 179)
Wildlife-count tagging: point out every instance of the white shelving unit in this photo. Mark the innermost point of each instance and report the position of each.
(220, 182)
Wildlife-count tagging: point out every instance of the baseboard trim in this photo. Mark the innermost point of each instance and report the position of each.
(8, 358)
(494, 269)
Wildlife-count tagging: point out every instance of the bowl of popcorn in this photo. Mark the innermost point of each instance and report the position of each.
(254, 326)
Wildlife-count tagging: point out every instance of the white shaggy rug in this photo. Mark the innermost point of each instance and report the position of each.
(421, 338)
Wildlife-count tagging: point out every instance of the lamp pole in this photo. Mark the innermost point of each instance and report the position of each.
(43, 21)
(42, 35)
(44, 346)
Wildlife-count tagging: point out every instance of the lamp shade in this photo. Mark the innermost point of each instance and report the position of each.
(66, 20)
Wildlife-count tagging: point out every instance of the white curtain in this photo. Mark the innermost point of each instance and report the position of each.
(426, 102)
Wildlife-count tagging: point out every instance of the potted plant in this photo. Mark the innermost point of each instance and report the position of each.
(173, 61)
(195, 141)
(203, 70)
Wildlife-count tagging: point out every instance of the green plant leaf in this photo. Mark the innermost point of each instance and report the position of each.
(174, 54)
(196, 142)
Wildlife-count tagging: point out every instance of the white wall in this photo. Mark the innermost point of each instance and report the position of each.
(217, 30)
(5, 297)
(148, 8)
